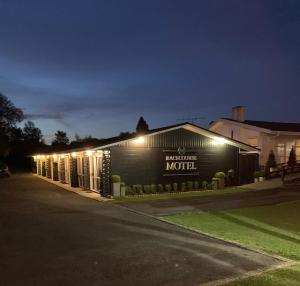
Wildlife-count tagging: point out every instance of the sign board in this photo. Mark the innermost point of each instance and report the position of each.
(180, 162)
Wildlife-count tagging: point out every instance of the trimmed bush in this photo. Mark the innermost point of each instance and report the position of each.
(220, 175)
(168, 188)
(160, 188)
(190, 185)
(129, 191)
(196, 185)
(205, 185)
(175, 187)
(147, 189)
(183, 187)
(258, 174)
(115, 179)
(153, 188)
(138, 189)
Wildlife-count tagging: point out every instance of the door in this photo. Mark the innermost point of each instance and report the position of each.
(248, 164)
(95, 163)
(67, 169)
(80, 172)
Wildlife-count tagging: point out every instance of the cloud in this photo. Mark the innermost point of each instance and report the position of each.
(42, 116)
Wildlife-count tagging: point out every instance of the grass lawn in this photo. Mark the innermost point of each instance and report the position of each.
(167, 196)
(289, 276)
(274, 229)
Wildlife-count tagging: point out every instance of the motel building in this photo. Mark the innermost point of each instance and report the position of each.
(178, 153)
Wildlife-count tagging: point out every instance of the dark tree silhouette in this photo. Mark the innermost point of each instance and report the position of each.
(9, 117)
(9, 114)
(292, 158)
(142, 126)
(271, 163)
(61, 138)
(271, 160)
(123, 134)
(32, 133)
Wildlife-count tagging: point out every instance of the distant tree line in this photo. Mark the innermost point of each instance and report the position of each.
(17, 144)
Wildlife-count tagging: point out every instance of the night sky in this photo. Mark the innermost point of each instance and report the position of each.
(93, 67)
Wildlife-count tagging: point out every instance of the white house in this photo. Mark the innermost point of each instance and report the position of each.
(277, 136)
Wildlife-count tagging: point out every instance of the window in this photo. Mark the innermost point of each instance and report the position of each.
(253, 142)
(297, 149)
(280, 150)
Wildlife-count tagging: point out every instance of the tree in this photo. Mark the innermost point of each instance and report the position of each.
(271, 163)
(31, 133)
(271, 160)
(124, 134)
(9, 114)
(292, 158)
(142, 126)
(61, 138)
(9, 117)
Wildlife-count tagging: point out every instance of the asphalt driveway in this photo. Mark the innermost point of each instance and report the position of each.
(287, 193)
(49, 236)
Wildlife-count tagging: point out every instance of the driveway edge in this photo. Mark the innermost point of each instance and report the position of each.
(285, 262)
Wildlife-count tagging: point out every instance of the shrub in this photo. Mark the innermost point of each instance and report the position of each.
(205, 185)
(175, 187)
(219, 175)
(168, 188)
(190, 185)
(129, 191)
(196, 185)
(160, 188)
(147, 189)
(138, 189)
(153, 188)
(115, 178)
(292, 162)
(183, 187)
(258, 174)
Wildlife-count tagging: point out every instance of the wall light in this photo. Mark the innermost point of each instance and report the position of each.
(54, 156)
(139, 140)
(73, 154)
(219, 141)
(89, 153)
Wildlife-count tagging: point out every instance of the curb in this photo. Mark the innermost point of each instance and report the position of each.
(249, 274)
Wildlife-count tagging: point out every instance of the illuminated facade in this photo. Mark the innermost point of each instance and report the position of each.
(175, 153)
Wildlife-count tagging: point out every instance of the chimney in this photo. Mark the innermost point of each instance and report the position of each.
(239, 113)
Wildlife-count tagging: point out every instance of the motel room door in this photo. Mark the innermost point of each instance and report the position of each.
(67, 169)
(95, 172)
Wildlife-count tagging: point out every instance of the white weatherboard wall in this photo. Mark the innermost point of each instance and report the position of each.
(266, 140)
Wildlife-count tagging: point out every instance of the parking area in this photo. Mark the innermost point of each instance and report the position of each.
(50, 236)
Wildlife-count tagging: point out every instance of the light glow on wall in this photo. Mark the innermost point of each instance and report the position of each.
(73, 154)
(89, 153)
(218, 141)
(139, 140)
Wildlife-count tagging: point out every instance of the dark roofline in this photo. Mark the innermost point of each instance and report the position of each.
(117, 139)
(270, 125)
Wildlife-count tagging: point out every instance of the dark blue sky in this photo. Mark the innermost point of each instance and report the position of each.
(93, 67)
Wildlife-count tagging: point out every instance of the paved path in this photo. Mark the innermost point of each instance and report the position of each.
(49, 236)
(215, 203)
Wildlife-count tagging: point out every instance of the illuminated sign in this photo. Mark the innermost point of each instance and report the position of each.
(180, 162)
